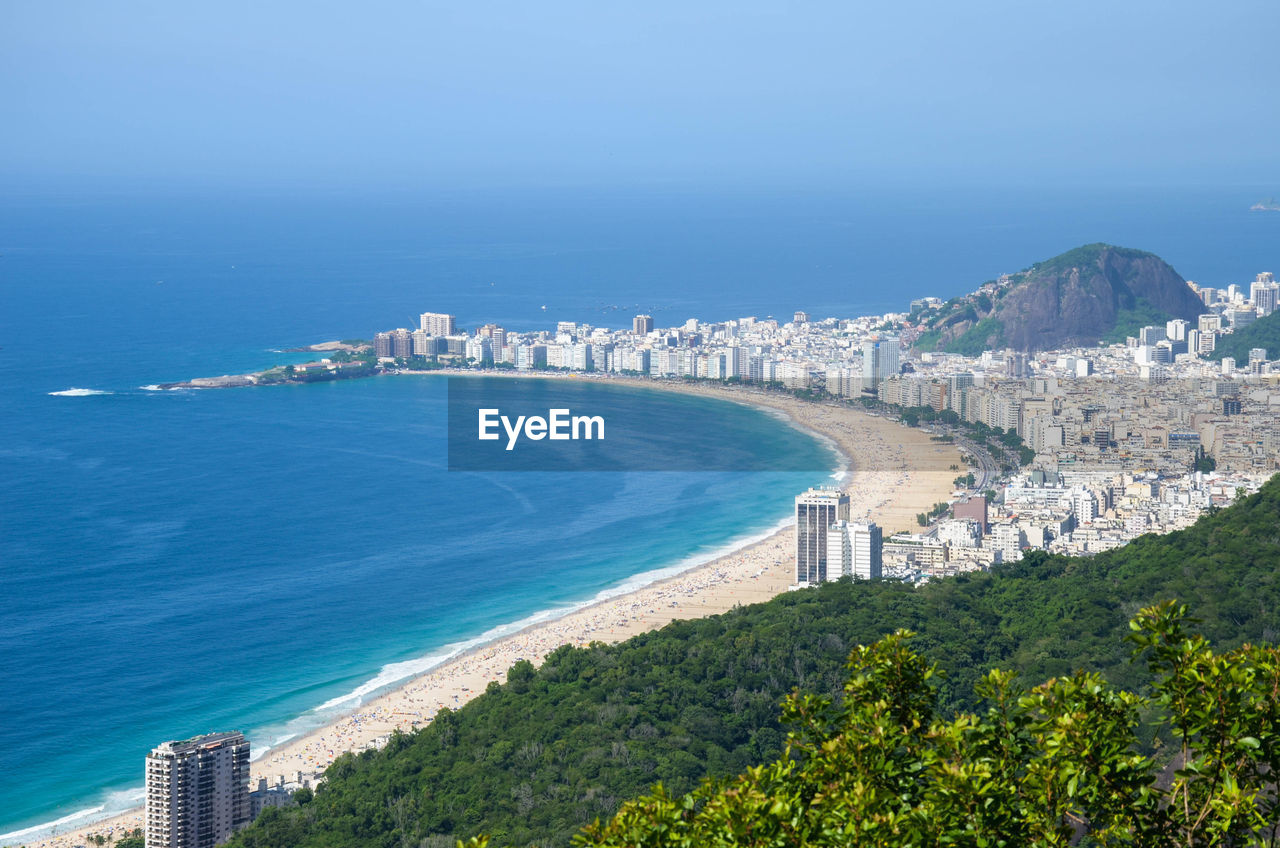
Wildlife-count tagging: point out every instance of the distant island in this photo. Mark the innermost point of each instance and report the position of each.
(1268, 205)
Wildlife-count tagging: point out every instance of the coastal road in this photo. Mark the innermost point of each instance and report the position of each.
(988, 469)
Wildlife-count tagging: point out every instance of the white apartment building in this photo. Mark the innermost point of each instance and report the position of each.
(437, 323)
(197, 791)
(855, 550)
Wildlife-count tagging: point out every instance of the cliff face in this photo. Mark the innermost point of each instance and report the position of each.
(1079, 298)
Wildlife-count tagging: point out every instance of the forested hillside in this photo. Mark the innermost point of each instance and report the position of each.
(1098, 292)
(532, 761)
(1263, 333)
(1063, 763)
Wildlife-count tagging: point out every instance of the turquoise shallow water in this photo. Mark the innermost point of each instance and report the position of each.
(172, 563)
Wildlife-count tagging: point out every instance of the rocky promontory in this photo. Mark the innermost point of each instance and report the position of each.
(1096, 293)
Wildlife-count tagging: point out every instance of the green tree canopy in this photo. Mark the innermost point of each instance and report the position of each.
(1032, 768)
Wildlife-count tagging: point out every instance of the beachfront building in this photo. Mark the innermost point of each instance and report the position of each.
(816, 510)
(880, 360)
(197, 791)
(438, 323)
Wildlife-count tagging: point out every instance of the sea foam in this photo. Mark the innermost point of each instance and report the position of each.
(73, 392)
(397, 672)
(17, 837)
(114, 803)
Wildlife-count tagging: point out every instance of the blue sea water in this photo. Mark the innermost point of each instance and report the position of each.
(176, 562)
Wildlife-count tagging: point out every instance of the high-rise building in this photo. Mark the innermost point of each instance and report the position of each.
(437, 323)
(879, 361)
(866, 542)
(197, 791)
(1242, 317)
(424, 344)
(495, 334)
(816, 510)
(642, 325)
(1267, 299)
(973, 509)
(1264, 292)
(480, 349)
(531, 356)
(839, 551)
(1015, 365)
(583, 358)
(1084, 505)
(402, 343)
(1193, 342)
(1151, 335)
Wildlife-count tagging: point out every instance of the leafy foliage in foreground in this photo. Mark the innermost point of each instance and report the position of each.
(533, 761)
(1033, 768)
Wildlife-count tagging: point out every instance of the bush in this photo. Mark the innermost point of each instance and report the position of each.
(1033, 768)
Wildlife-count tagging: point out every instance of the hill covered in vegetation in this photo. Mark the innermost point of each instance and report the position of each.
(1263, 333)
(1038, 767)
(555, 748)
(1093, 293)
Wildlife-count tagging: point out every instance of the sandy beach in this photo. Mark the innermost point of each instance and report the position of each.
(894, 473)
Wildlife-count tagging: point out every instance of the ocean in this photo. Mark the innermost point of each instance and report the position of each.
(178, 562)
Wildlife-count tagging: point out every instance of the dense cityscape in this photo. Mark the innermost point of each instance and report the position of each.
(1073, 451)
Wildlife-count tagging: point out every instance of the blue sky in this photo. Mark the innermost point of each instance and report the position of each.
(645, 93)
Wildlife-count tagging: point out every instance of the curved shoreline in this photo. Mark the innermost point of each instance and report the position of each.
(756, 569)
